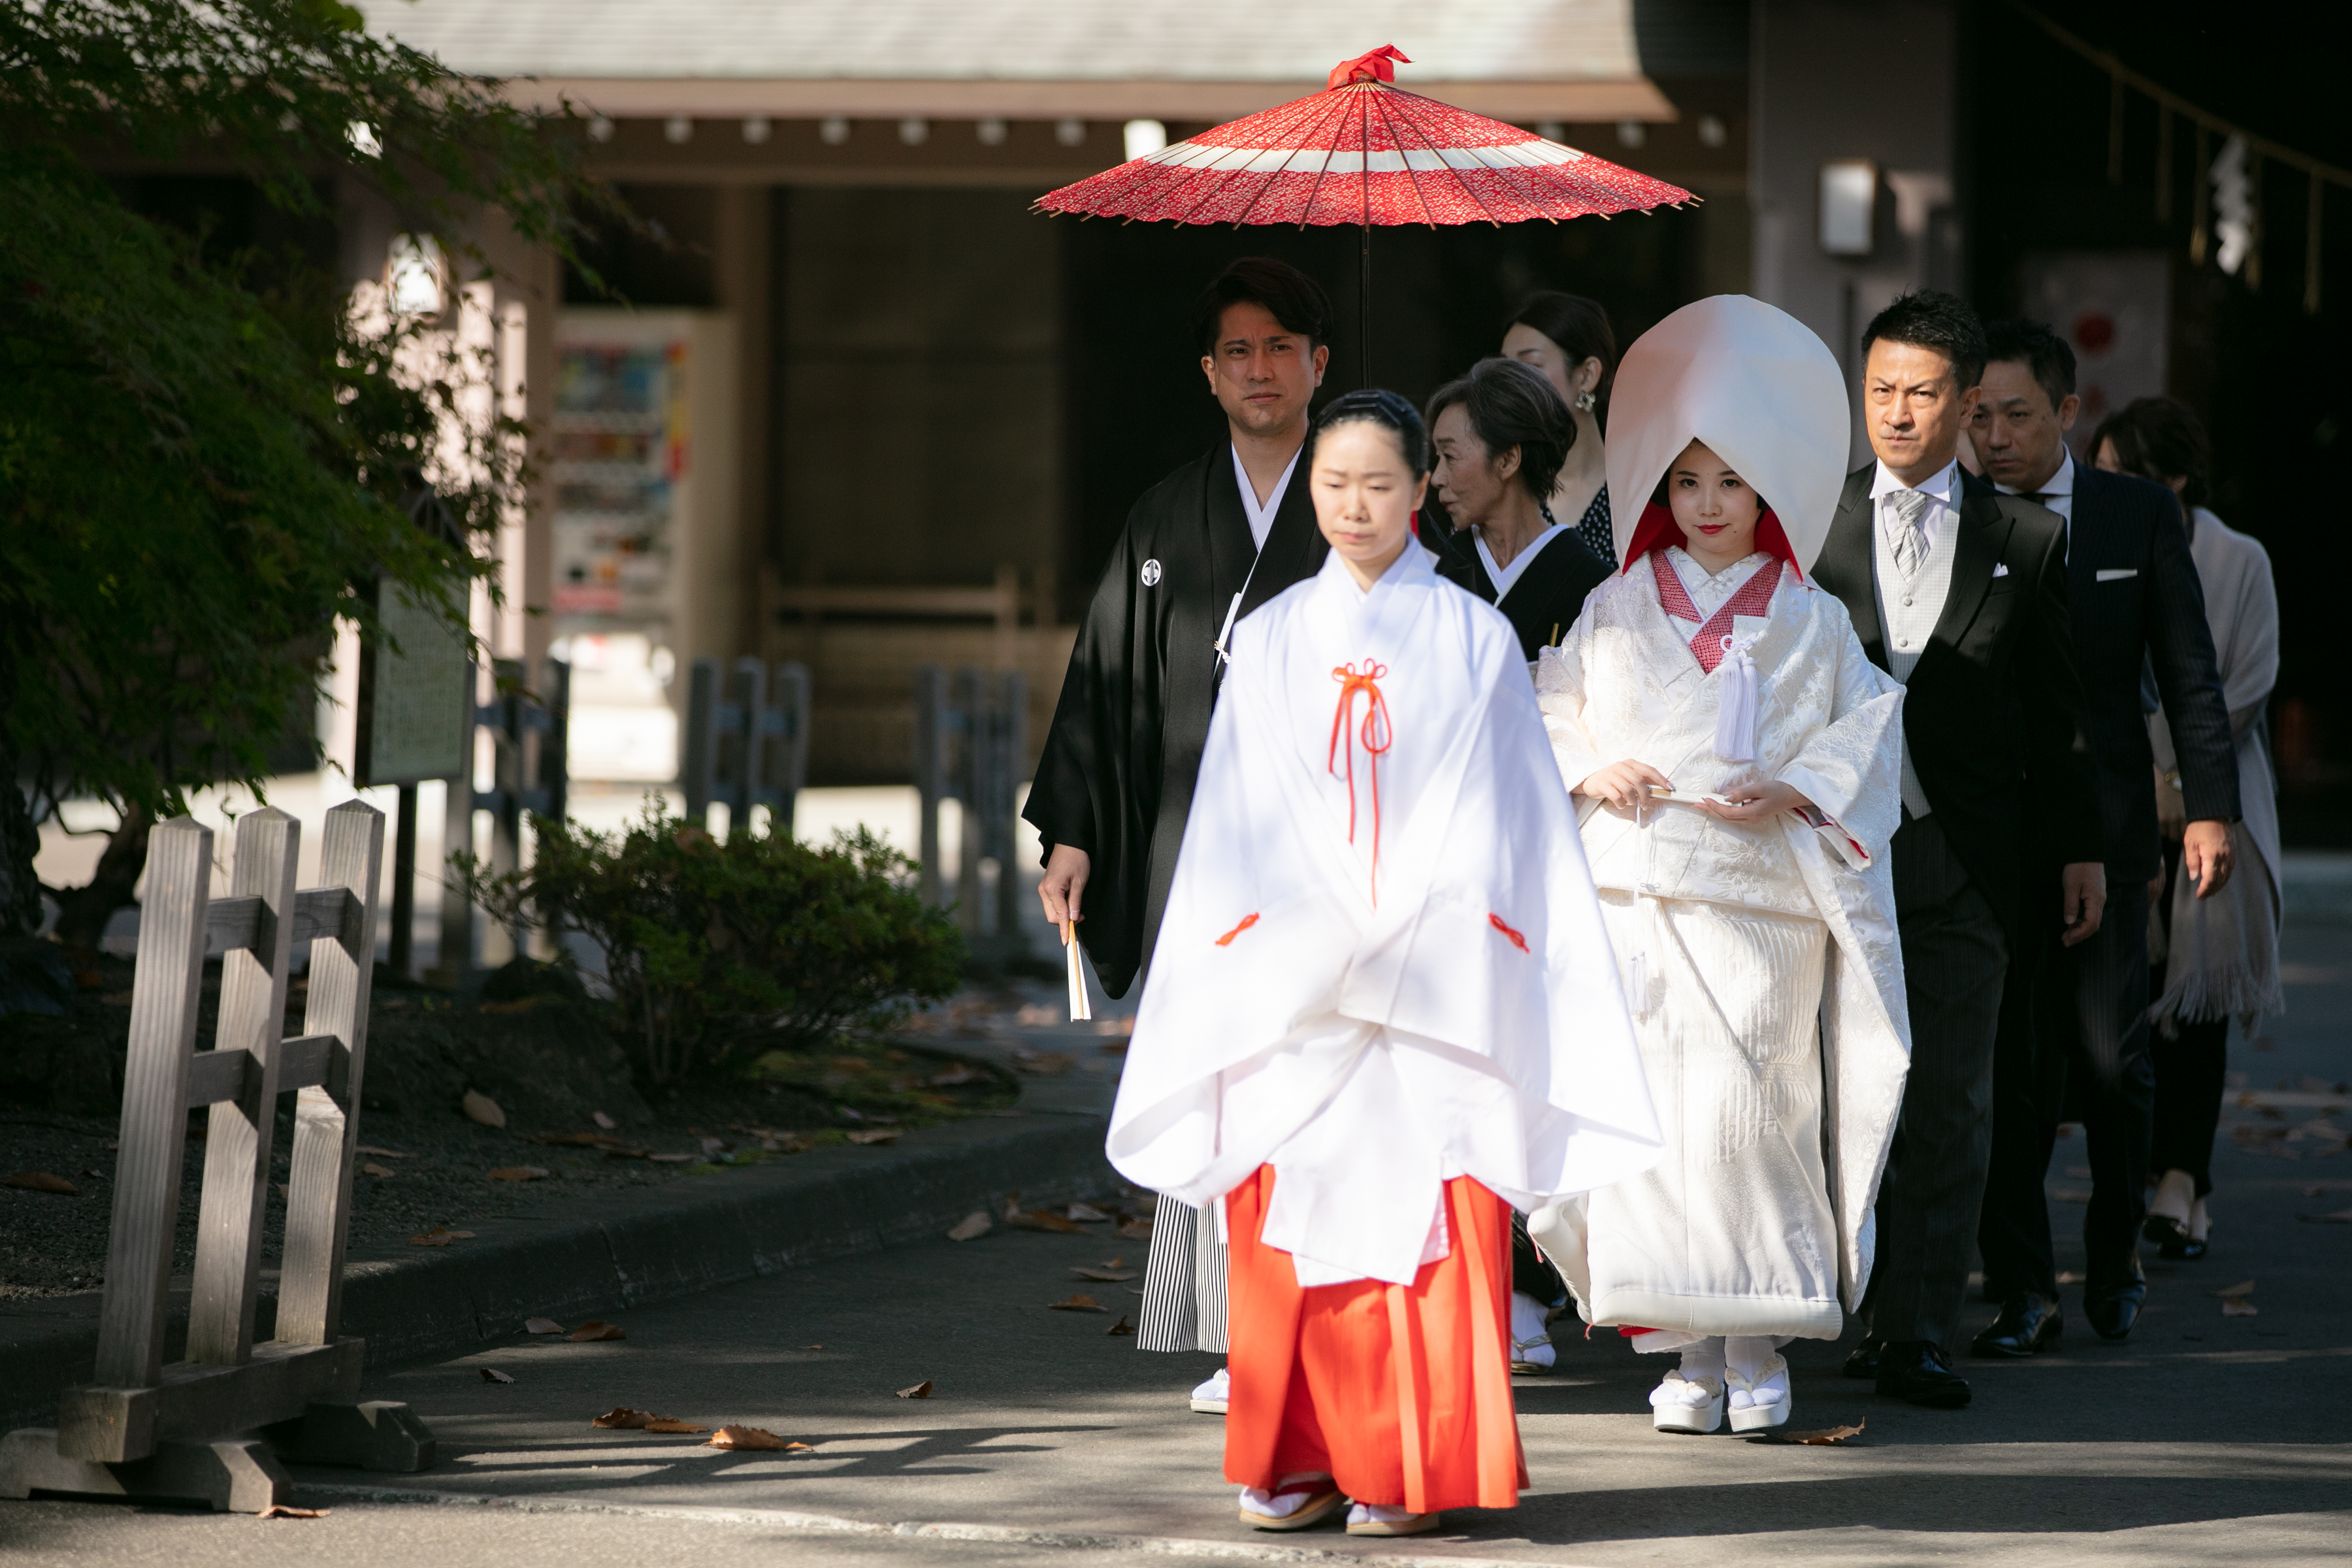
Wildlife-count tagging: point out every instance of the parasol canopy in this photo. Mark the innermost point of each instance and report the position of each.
(1364, 152)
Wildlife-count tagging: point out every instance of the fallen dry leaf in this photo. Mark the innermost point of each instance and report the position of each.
(1085, 1213)
(1121, 1327)
(42, 1181)
(2341, 1216)
(622, 1419)
(2067, 1277)
(1042, 1064)
(1081, 1303)
(440, 1235)
(975, 1224)
(492, 1375)
(519, 1174)
(605, 1121)
(1112, 1263)
(280, 1511)
(577, 1141)
(1825, 1438)
(672, 1423)
(799, 1447)
(479, 1107)
(1107, 1275)
(2236, 1307)
(387, 1153)
(920, 1391)
(1134, 1230)
(372, 1169)
(595, 1330)
(2070, 1196)
(672, 1158)
(876, 1135)
(1038, 1219)
(744, 1437)
(544, 1326)
(2242, 1288)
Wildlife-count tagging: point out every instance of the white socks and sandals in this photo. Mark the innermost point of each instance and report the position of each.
(1307, 1498)
(1742, 1373)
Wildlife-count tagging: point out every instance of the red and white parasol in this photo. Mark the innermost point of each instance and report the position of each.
(1364, 152)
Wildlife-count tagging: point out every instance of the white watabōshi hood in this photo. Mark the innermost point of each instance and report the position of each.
(1756, 386)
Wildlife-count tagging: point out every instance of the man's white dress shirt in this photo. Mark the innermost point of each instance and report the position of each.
(2057, 493)
(1261, 518)
(1910, 604)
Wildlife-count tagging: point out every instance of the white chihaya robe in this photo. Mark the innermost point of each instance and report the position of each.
(1763, 966)
(1378, 984)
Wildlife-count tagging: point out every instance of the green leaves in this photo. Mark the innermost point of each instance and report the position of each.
(719, 954)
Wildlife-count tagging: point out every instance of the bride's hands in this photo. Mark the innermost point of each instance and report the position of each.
(1755, 802)
(1623, 784)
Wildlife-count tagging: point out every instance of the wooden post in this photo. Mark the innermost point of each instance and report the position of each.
(235, 1197)
(326, 1116)
(163, 995)
(970, 776)
(1011, 734)
(698, 772)
(402, 959)
(791, 772)
(930, 773)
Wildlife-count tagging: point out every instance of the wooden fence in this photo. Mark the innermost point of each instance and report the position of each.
(213, 1427)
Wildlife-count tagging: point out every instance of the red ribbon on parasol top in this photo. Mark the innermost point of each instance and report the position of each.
(1364, 151)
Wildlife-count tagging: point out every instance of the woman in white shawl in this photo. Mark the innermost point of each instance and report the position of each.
(1734, 758)
(2221, 954)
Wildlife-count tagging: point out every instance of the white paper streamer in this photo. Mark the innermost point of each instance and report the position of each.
(1081, 1008)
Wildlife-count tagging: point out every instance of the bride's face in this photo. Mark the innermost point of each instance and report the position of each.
(1713, 506)
(1365, 494)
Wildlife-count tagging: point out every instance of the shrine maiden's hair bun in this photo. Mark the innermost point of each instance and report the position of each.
(1378, 405)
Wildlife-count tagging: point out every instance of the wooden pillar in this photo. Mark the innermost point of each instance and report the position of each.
(163, 994)
(237, 1144)
(743, 281)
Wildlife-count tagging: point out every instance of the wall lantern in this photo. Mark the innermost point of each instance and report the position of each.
(415, 276)
(1849, 206)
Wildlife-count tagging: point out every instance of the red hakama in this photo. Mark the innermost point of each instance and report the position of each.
(1402, 1393)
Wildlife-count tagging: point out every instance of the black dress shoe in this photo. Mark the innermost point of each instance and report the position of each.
(2112, 1297)
(2028, 1324)
(2173, 1242)
(1920, 1373)
(1862, 1361)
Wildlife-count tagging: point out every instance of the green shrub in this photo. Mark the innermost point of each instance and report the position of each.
(717, 953)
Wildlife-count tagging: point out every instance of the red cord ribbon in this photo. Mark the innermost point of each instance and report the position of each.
(1376, 737)
(1517, 939)
(1248, 920)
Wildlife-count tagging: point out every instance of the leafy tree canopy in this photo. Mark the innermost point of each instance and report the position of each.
(199, 474)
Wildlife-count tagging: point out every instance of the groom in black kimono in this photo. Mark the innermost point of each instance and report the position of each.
(1206, 545)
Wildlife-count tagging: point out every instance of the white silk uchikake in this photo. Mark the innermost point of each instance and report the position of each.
(1756, 386)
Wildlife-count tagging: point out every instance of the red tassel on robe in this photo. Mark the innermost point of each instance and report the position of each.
(1402, 1393)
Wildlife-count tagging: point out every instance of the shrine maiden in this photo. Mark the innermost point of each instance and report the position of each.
(1380, 1009)
(1735, 760)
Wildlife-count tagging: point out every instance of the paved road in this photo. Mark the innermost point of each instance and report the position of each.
(2205, 1439)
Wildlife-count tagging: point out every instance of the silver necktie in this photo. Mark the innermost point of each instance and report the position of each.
(1908, 536)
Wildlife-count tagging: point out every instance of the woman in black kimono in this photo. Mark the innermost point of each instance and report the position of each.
(1501, 434)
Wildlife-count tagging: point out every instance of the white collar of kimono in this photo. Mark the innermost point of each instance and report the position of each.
(1380, 615)
(1758, 388)
(1506, 578)
(1261, 518)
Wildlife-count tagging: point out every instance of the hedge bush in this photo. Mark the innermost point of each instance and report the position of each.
(718, 953)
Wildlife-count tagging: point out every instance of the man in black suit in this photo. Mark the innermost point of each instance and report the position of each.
(2076, 1026)
(1959, 594)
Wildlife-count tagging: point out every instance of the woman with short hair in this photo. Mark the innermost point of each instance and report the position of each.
(2221, 954)
(1501, 435)
(1567, 339)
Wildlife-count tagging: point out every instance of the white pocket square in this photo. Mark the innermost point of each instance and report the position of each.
(2000, 568)
(2116, 573)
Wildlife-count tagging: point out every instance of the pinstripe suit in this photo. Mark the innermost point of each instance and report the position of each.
(1992, 709)
(2136, 604)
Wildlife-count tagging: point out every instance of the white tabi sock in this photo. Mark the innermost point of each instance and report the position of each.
(1704, 1359)
(1753, 1361)
(1530, 1337)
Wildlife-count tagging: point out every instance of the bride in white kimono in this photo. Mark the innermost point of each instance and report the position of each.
(1734, 760)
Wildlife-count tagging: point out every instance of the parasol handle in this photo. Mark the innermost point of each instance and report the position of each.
(1364, 323)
